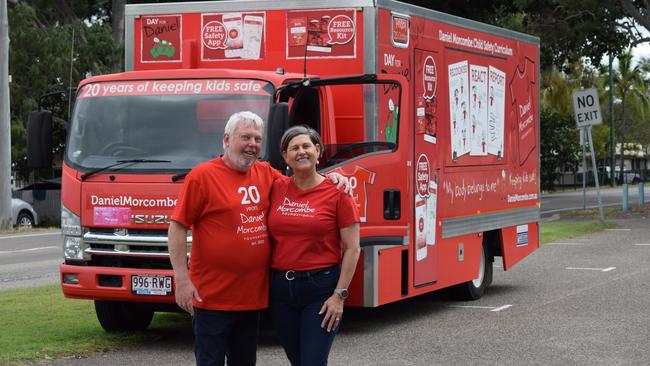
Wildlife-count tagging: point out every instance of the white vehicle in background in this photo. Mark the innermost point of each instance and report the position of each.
(23, 214)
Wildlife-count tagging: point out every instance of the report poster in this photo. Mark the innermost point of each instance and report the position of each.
(496, 108)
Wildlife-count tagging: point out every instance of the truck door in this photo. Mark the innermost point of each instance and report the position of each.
(426, 167)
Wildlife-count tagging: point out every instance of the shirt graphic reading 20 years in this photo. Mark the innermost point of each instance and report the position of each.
(253, 219)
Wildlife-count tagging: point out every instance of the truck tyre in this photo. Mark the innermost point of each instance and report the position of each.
(473, 290)
(116, 316)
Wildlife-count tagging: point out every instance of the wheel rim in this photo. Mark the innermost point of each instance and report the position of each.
(481, 271)
(25, 222)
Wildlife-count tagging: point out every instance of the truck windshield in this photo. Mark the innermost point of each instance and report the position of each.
(180, 121)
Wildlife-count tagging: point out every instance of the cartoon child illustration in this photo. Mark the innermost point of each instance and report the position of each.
(462, 105)
(161, 48)
(491, 96)
(391, 125)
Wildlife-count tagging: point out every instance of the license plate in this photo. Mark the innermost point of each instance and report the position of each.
(151, 285)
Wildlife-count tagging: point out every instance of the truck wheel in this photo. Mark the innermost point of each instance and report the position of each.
(116, 316)
(473, 290)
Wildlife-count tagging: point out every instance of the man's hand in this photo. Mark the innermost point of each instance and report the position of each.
(185, 292)
(341, 181)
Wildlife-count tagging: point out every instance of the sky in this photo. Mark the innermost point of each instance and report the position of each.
(642, 50)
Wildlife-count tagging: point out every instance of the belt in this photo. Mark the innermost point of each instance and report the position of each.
(290, 275)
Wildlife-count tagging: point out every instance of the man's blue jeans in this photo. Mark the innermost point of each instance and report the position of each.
(294, 308)
(220, 334)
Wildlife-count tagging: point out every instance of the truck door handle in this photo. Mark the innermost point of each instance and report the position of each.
(392, 203)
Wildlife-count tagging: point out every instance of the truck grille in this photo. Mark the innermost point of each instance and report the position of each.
(119, 245)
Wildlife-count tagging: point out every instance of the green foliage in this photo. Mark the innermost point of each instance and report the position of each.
(569, 30)
(41, 45)
(559, 146)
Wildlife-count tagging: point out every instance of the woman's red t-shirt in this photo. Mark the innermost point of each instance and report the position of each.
(304, 225)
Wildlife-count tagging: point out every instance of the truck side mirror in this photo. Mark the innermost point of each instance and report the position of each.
(39, 140)
(278, 123)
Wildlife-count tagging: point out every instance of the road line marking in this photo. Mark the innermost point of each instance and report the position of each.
(593, 269)
(491, 308)
(618, 229)
(501, 307)
(28, 250)
(567, 244)
(29, 235)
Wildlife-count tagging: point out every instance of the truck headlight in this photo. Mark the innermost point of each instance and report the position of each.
(73, 247)
(70, 223)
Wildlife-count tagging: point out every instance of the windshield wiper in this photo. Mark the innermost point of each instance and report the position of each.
(121, 162)
(180, 175)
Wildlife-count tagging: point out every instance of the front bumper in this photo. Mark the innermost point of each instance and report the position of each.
(109, 283)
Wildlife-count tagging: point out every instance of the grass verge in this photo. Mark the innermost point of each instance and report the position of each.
(33, 230)
(552, 231)
(39, 323)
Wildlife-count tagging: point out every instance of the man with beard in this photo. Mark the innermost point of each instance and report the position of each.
(225, 202)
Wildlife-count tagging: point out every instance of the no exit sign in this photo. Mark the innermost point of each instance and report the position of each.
(586, 107)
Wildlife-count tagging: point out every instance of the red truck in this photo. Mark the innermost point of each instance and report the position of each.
(433, 118)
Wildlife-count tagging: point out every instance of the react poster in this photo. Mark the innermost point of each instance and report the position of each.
(478, 84)
(228, 36)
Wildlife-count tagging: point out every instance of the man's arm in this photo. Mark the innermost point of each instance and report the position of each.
(337, 178)
(185, 290)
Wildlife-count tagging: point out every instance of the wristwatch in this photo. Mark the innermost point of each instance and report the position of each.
(342, 292)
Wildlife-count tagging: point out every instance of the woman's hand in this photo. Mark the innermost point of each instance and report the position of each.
(333, 310)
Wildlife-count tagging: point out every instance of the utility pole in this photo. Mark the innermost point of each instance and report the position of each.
(5, 122)
(612, 163)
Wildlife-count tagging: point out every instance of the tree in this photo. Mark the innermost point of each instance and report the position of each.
(117, 23)
(559, 146)
(45, 58)
(631, 87)
(569, 30)
(640, 14)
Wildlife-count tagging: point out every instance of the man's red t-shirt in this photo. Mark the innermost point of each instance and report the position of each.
(227, 212)
(304, 225)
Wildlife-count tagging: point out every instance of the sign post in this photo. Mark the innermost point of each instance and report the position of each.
(586, 108)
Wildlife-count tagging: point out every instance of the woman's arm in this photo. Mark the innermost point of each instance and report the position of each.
(333, 307)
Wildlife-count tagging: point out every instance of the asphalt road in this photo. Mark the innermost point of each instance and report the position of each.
(29, 259)
(583, 301)
(553, 203)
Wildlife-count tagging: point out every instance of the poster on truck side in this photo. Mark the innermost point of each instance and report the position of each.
(496, 111)
(478, 84)
(323, 33)
(161, 39)
(232, 36)
(522, 88)
(459, 108)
